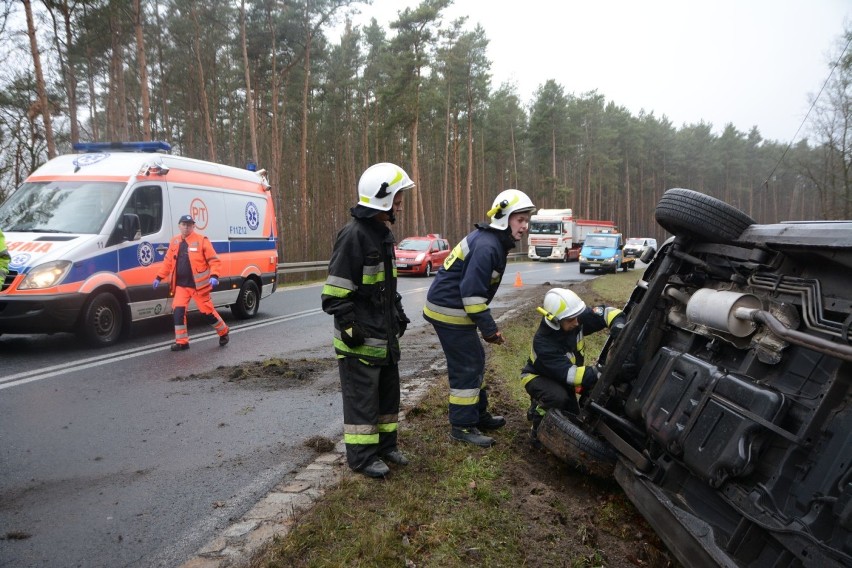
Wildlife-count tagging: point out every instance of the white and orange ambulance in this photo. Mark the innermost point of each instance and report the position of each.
(87, 233)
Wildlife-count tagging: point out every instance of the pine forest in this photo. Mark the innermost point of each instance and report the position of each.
(295, 87)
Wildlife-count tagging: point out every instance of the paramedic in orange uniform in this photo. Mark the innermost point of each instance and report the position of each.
(194, 267)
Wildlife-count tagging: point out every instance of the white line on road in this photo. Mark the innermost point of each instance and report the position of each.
(98, 360)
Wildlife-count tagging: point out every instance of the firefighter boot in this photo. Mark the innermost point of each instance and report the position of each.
(376, 468)
(471, 435)
(488, 422)
(223, 339)
(536, 421)
(395, 456)
(179, 346)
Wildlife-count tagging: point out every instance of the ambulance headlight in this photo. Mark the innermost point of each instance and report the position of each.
(46, 275)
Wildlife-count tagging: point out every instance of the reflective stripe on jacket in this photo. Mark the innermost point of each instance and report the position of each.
(468, 281)
(202, 257)
(361, 288)
(558, 354)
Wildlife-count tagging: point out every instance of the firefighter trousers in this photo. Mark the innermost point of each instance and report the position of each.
(465, 369)
(370, 409)
(552, 393)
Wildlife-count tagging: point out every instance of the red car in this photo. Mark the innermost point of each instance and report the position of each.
(421, 255)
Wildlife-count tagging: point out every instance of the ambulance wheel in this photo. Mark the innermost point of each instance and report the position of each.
(248, 301)
(102, 320)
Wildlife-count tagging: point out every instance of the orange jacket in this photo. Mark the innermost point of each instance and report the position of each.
(202, 257)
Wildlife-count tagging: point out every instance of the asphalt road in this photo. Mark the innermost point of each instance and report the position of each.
(125, 457)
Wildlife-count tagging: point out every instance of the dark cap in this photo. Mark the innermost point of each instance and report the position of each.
(186, 219)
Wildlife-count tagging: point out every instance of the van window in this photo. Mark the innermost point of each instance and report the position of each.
(60, 206)
(147, 203)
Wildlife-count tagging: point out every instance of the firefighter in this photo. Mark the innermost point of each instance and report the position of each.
(555, 371)
(361, 294)
(457, 306)
(5, 258)
(194, 267)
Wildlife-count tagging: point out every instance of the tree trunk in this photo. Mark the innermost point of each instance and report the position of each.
(70, 78)
(202, 91)
(164, 101)
(303, 147)
(249, 101)
(143, 71)
(41, 90)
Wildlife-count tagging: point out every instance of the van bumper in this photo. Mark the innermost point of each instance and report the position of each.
(40, 314)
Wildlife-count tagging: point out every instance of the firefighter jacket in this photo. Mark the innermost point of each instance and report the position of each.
(202, 258)
(559, 354)
(468, 280)
(361, 289)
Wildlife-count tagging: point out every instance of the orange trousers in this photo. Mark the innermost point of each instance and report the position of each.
(182, 297)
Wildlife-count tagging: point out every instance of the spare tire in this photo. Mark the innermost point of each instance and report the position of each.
(571, 444)
(687, 213)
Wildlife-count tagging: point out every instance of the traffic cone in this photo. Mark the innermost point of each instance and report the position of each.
(518, 281)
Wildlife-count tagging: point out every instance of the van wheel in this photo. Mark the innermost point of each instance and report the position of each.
(102, 320)
(428, 272)
(574, 446)
(248, 301)
(582, 270)
(684, 212)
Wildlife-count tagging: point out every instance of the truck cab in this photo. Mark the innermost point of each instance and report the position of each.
(604, 250)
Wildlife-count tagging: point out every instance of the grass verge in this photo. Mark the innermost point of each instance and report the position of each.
(458, 505)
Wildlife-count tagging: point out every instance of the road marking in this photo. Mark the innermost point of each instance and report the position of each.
(18, 379)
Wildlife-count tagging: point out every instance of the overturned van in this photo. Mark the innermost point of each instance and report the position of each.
(87, 233)
(724, 409)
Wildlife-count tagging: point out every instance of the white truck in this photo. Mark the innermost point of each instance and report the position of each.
(555, 234)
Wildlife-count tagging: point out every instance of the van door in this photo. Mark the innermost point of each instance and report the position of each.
(140, 260)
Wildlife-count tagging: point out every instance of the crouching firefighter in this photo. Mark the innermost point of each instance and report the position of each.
(361, 294)
(555, 372)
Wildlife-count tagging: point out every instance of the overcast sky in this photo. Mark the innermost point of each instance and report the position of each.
(748, 62)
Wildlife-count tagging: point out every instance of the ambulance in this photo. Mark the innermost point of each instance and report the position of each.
(87, 233)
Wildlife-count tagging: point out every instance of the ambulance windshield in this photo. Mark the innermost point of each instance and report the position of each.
(60, 207)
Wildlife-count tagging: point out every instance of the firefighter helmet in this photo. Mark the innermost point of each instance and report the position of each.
(379, 183)
(560, 304)
(507, 202)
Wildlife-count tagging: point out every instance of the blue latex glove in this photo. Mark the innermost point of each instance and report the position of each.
(156, 283)
(214, 281)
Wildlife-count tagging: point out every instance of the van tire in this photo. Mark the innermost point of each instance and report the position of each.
(687, 213)
(571, 444)
(102, 320)
(248, 300)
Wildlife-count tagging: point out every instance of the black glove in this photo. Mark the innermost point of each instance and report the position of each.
(616, 329)
(496, 339)
(351, 334)
(403, 322)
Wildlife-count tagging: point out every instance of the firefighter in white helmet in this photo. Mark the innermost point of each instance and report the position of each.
(457, 306)
(361, 294)
(555, 371)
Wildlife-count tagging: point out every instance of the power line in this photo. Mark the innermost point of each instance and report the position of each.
(804, 120)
